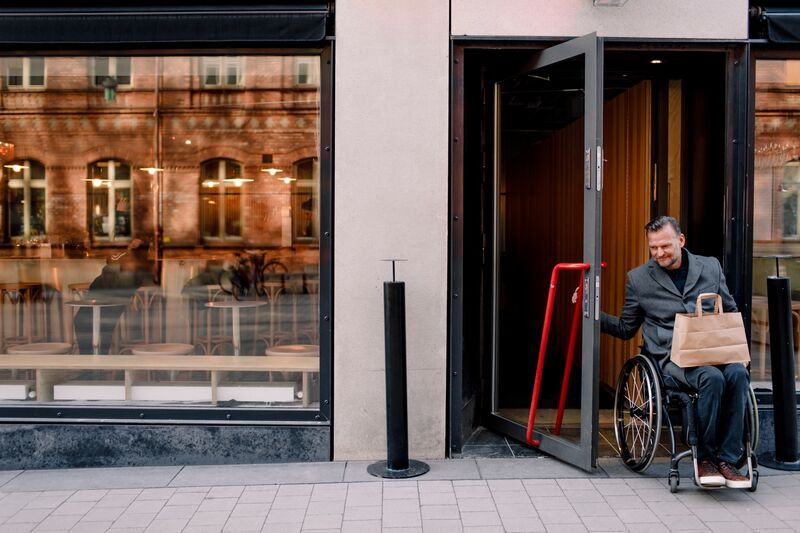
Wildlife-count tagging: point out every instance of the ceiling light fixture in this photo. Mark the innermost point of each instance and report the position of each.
(287, 179)
(152, 170)
(237, 182)
(271, 171)
(609, 3)
(16, 167)
(97, 182)
(655, 61)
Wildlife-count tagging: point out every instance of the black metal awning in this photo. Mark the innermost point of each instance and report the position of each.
(779, 25)
(47, 23)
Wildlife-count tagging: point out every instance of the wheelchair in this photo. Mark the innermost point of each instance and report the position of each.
(642, 404)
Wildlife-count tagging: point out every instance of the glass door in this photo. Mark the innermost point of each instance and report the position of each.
(547, 211)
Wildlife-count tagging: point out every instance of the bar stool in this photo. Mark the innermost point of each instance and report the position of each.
(20, 297)
(143, 320)
(51, 301)
(77, 292)
(208, 326)
(274, 290)
(312, 289)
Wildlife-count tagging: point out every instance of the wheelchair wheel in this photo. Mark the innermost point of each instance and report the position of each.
(637, 413)
(751, 418)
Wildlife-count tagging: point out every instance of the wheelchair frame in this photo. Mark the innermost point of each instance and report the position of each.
(641, 405)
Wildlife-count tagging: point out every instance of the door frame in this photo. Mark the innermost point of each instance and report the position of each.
(737, 182)
(590, 48)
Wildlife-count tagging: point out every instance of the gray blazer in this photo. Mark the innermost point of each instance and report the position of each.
(652, 300)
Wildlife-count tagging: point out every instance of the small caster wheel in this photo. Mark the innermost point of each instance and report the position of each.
(674, 481)
(754, 484)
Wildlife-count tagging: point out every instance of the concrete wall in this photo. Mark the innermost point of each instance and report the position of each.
(391, 181)
(674, 19)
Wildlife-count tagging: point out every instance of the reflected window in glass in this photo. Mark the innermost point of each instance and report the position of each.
(118, 68)
(26, 199)
(221, 183)
(25, 72)
(109, 191)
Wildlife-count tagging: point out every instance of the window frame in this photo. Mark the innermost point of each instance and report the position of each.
(113, 67)
(113, 186)
(221, 186)
(176, 415)
(26, 183)
(305, 186)
(791, 191)
(26, 84)
(311, 75)
(222, 62)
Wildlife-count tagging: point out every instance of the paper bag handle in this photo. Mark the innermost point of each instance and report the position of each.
(717, 304)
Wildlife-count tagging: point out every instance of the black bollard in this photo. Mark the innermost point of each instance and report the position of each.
(397, 464)
(784, 401)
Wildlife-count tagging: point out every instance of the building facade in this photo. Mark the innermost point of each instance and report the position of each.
(272, 157)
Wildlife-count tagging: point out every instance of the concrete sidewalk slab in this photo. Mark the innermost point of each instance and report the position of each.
(440, 469)
(531, 468)
(8, 475)
(531, 494)
(92, 478)
(192, 476)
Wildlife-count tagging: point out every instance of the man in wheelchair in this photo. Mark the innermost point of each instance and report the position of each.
(667, 284)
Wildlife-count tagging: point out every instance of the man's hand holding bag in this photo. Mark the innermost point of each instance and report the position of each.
(716, 338)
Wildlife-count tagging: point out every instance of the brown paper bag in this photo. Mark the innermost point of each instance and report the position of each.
(716, 338)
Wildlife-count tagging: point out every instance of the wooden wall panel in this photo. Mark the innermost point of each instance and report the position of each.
(542, 224)
(626, 209)
(542, 204)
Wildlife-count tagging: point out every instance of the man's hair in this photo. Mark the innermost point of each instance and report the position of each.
(661, 222)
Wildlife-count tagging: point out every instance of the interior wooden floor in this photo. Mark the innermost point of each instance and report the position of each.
(570, 428)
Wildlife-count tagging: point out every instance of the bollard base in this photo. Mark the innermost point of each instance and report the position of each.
(768, 459)
(381, 469)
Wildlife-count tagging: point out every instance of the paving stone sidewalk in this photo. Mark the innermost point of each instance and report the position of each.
(469, 495)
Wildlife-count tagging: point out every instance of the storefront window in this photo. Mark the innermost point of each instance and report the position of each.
(177, 268)
(776, 227)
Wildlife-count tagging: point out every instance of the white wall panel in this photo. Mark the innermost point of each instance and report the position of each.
(672, 19)
(391, 176)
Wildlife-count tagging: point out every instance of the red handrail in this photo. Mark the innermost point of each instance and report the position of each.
(573, 335)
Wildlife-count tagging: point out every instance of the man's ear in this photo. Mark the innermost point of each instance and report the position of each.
(682, 239)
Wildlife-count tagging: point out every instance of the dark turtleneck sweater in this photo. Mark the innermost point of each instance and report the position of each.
(678, 275)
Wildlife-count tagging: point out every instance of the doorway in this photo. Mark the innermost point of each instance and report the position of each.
(663, 119)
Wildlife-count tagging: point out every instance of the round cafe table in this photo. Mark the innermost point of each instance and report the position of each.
(96, 306)
(235, 306)
(307, 350)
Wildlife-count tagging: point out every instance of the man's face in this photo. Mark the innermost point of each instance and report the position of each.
(665, 247)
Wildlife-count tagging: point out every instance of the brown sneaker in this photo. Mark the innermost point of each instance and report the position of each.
(708, 475)
(733, 479)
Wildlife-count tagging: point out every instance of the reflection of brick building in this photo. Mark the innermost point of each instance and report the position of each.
(777, 150)
(253, 112)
